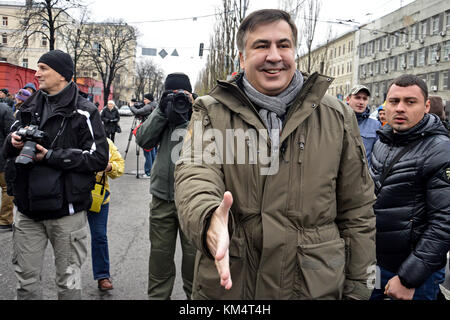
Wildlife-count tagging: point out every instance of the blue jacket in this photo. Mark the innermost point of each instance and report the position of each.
(368, 129)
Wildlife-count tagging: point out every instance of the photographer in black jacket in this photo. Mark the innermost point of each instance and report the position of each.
(53, 151)
(142, 112)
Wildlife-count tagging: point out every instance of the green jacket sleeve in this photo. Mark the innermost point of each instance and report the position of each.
(355, 217)
(149, 133)
(199, 186)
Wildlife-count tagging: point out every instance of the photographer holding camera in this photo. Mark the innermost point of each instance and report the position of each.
(55, 147)
(172, 114)
(142, 111)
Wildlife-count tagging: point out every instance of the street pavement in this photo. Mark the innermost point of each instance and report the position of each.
(128, 238)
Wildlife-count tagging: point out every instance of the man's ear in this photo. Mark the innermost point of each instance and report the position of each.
(427, 106)
(241, 60)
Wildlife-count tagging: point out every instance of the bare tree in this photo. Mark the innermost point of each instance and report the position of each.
(222, 48)
(113, 44)
(46, 18)
(77, 41)
(308, 28)
(149, 78)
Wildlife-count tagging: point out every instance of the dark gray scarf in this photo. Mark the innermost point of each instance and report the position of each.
(274, 107)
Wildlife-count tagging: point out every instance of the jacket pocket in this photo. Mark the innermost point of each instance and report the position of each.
(79, 186)
(78, 243)
(45, 188)
(320, 270)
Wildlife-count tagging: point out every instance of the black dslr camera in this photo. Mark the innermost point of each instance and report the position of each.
(31, 135)
(177, 106)
(139, 104)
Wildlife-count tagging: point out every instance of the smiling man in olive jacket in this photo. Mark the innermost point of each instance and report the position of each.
(298, 225)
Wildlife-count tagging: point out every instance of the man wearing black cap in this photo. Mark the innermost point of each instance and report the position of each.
(142, 114)
(166, 127)
(52, 192)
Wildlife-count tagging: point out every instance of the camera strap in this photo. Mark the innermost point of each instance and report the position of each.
(60, 131)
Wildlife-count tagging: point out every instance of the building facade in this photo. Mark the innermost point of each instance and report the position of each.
(413, 39)
(336, 58)
(18, 49)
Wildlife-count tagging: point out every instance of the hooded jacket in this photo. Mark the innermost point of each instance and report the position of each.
(60, 184)
(306, 232)
(413, 207)
(368, 129)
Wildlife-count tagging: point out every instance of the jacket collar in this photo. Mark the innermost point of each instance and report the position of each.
(64, 102)
(313, 90)
(363, 115)
(428, 126)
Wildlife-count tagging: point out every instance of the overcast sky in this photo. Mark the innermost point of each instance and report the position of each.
(186, 35)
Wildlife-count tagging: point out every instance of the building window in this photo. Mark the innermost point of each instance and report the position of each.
(423, 29)
(447, 19)
(25, 41)
(415, 31)
(25, 62)
(421, 61)
(385, 66)
(386, 43)
(94, 74)
(445, 84)
(377, 67)
(375, 88)
(411, 59)
(4, 38)
(5, 21)
(393, 64)
(435, 25)
(44, 41)
(339, 51)
(402, 62)
(447, 51)
(393, 41)
(433, 81)
(2, 59)
(423, 77)
(434, 53)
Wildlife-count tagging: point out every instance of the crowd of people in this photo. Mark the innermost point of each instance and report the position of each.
(344, 206)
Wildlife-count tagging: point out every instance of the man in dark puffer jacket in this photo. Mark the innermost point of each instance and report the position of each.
(413, 209)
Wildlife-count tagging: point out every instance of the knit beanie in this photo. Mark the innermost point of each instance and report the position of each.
(30, 85)
(176, 81)
(59, 61)
(23, 94)
(149, 96)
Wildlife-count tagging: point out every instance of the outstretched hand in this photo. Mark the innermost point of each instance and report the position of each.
(218, 239)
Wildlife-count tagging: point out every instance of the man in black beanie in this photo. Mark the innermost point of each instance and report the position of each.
(166, 127)
(52, 181)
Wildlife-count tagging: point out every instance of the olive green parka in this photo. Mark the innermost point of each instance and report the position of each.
(306, 232)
